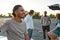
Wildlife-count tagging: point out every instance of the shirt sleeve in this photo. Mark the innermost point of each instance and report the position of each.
(58, 25)
(25, 31)
(4, 27)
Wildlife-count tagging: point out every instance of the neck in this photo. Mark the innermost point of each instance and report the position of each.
(45, 15)
(30, 14)
(18, 19)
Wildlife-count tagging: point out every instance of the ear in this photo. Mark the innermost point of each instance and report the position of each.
(15, 13)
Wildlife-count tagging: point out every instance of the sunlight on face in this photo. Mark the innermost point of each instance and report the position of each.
(20, 12)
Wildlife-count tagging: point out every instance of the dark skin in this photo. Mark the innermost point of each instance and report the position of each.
(45, 14)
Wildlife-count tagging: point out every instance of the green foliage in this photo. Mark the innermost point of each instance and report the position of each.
(37, 16)
(9, 14)
(26, 12)
(52, 16)
(1, 15)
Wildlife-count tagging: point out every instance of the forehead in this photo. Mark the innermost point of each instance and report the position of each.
(20, 8)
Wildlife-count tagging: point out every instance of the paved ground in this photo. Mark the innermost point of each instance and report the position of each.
(37, 33)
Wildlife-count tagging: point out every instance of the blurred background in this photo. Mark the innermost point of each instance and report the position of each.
(39, 6)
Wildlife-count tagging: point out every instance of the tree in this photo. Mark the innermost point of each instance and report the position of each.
(26, 12)
(1, 15)
(37, 15)
(52, 16)
(10, 14)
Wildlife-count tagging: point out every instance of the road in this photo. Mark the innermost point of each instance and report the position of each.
(37, 32)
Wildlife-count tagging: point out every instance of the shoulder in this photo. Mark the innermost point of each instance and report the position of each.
(48, 16)
(27, 16)
(9, 21)
(23, 22)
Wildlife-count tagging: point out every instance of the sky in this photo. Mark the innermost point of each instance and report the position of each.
(6, 6)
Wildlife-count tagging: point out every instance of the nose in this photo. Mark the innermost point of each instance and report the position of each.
(22, 12)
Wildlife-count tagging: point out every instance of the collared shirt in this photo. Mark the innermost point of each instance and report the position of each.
(45, 21)
(14, 30)
(29, 22)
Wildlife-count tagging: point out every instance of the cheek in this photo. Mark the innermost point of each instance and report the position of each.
(20, 11)
(22, 15)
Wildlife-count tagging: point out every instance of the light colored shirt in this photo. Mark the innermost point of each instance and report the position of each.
(58, 25)
(45, 21)
(14, 30)
(29, 22)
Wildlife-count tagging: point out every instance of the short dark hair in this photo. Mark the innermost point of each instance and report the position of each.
(58, 16)
(14, 9)
(45, 12)
(31, 12)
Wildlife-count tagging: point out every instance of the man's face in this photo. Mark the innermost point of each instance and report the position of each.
(32, 14)
(45, 14)
(20, 12)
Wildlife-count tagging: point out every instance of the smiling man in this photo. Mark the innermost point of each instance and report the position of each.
(15, 28)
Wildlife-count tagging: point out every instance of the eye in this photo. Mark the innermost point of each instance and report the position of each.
(22, 10)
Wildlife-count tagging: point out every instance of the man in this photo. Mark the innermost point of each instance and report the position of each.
(29, 23)
(15, 28)
(45, 21)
